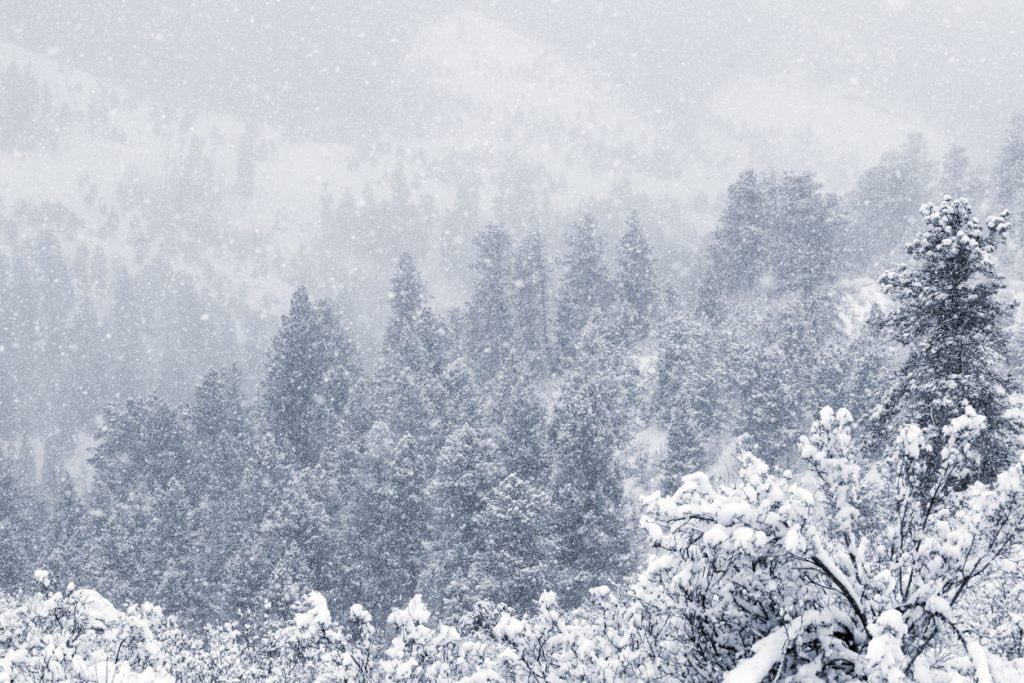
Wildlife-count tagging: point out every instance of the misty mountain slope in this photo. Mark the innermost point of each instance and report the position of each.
(789, 122)
(477, 96)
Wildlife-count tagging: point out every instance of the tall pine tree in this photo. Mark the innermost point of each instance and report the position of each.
(585, 292)
(1009, 171)
(490, 333)
(952, 321)
(585, 434)
(636, 281)
(310, 372)
(530, 308)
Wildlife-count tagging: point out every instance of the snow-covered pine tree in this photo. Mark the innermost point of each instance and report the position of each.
(636, 281)
(140, 447)
(414, 337)
(310, 372)
(490, 333)
(15, 531)
(805, 232)
(584, 294)
(515, 405)
(228, 486)
(691, 373)
(684, 452)
(388, 520)
(218, 407)
(459, 396)
(778, 233)
(585, 434)
(245, 575)
(736, 254)
(468, 467)
(407, 392)
(870, 365)
(952, 320)
(881, 207)
(530, 309)
(514, 560)
(140, 458)
(1009, 170)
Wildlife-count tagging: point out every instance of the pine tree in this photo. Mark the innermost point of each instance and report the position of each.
(515, 405)
(737, 252)
(778, 234)
(781, 359)
(515, 558)
(957, 177)
(684, 454)
(389, 513)
(224, 445)
(490, 332)
(530, 311)
(690, 375)
(218, 408)
(584, 294)
(15, 529)
(805, 234)
(245, 574)
(585, 434)
(952, 321)
(636, 281)
(141, 454)
(1009, 171)
(140, 447)
(310, 372)
(871, 365)
(407, 392)
(468, 466)
(410, 403)
(298, 542)
(771, 414)
(459, 397)
(414, 339)
(63, 528)
(883, 204)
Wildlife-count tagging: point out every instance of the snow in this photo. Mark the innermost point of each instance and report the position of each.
(980, 659)
(816, 118)
(1002, 670)
(42, 577)
(359, 614)
(509, 627)
(652, 440)
(415, 613)
(821, 553)
(715, 535)
(96, 608)
(317, 614)
(767, 652)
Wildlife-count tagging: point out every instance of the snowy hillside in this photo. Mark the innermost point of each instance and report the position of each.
(511, 342)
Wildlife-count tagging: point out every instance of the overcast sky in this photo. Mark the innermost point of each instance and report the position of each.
(332, 68)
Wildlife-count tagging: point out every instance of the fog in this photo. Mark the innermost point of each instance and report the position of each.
(616, 336)
(337, 71)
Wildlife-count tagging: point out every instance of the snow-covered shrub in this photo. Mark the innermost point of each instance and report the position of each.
(864, 576)
(77, 635)
(419, 652)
